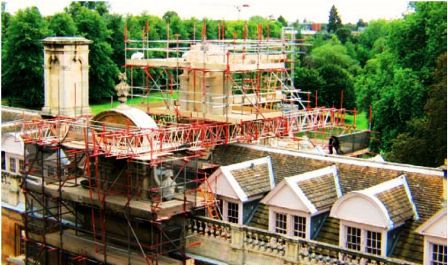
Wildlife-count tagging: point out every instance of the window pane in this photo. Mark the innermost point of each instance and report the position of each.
(300, 226)
(12, 164)
(232, 212)
(21, 165)
(373, 243)
(280, 223)
(51, 171)
(438, 255)
(3, 160)
(353, 238)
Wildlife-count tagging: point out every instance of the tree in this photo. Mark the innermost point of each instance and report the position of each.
(424, 142)
(333, 69)
(169, 15)
(397, 80)
(103, 71)
(99, 6)
(6, 18)
(62, 24)
(22, 75)
(334, 21)
(361, 24)
(282, 21)
(115, 24)
(344, 34)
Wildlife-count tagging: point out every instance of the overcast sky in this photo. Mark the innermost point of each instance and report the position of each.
(312, 10)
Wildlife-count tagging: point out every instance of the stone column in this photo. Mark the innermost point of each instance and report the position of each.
(66, 75)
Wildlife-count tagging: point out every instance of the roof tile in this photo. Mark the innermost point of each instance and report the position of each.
(426, 190)
(253, 180)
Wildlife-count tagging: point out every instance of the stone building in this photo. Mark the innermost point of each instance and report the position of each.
(381, 213)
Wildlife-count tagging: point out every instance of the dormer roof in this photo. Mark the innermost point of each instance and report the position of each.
(312, 192)
(243, 181)
(387, 205)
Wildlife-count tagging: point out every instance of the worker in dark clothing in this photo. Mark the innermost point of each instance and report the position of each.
(336, 145)
(333, 142)
(330, 145)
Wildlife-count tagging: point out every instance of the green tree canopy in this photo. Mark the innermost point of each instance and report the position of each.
(62, 24)
(22, 75)
(103, 71)
(334, 21)
(282, 21)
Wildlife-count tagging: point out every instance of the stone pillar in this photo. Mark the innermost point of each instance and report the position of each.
(66, 75)
(237, 235)
(292, 251)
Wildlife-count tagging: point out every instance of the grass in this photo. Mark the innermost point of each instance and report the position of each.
(362, 122)
(154, 97)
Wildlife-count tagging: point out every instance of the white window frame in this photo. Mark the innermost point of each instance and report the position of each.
(428, 250)
(225, 208)
(299, 231)
(21, 165)
(289, 220)
(284, 220)
(10, 159)
(364, 229)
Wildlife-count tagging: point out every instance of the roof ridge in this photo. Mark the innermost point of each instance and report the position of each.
(350, 160)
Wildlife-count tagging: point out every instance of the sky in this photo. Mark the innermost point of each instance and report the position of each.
(350, 11)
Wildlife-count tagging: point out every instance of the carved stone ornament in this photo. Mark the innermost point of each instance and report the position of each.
(122, 88)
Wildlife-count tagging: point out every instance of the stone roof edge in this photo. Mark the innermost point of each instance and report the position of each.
(350, 160)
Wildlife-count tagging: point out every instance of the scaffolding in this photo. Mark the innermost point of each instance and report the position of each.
(101, 193)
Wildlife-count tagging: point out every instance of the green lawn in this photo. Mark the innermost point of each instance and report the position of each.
(154, 97)
(362, 122)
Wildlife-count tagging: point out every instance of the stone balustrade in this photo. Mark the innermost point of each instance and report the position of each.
(235, 244)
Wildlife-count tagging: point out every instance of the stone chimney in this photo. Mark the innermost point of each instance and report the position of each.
(66, 75)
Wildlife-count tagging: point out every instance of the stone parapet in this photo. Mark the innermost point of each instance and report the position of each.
(234, 244)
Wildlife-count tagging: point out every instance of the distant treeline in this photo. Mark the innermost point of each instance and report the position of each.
(396, 68)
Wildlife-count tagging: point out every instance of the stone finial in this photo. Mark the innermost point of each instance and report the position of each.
(122, 88)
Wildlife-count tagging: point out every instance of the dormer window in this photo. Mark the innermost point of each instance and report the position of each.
(362, 239)
(240, 187)
(384, 207)
(434, 232)
(438, 255)
(299, 204)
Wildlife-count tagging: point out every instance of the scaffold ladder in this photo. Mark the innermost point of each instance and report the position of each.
(210, 202)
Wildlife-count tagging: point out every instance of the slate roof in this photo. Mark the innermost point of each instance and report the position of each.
(426, 188)
(321, 191)
(253, 180)
(260, 219)
(397, 204)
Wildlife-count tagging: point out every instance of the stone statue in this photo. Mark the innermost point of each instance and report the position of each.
(122, 88)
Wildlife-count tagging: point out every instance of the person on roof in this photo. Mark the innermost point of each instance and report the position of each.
(333, 142)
